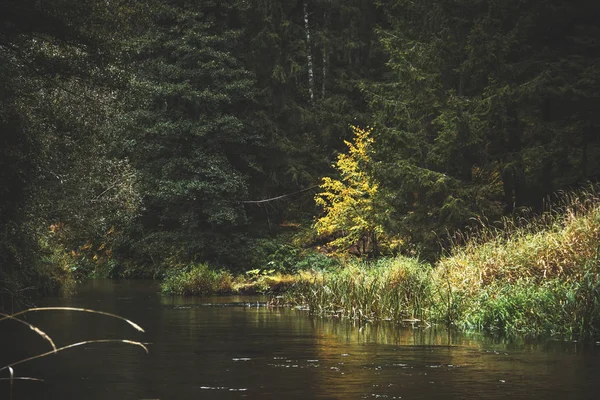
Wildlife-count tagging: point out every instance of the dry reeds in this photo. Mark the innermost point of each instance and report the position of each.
(55, 349)
(554, 245)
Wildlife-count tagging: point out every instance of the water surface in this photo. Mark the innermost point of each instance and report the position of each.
(236, 348)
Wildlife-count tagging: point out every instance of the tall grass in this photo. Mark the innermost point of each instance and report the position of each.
(392, 289)
(556, 307)
(197, 279)
(538, 278)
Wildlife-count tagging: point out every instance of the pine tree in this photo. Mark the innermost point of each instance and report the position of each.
(190, 138)
(486, 109)
(59, 77)
(302, 133)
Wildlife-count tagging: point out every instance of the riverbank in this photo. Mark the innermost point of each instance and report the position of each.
(200, 280)
(541, 278)
(222, 347)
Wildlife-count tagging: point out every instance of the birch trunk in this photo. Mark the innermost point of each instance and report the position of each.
(311, 75)
(324, 73)
(323, 84)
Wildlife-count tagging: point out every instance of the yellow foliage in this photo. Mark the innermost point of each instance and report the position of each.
(348, 204)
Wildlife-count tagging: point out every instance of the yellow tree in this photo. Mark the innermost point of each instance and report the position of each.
(350, 214)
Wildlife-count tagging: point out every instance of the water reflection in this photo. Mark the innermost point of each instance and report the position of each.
(235, 347)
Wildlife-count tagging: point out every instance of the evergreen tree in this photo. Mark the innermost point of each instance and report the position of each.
(352, 216)
(56, 90)
(486, 109)
(189, 135)
(288, 44)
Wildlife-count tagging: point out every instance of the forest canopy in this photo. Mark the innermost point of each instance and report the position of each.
(134, 137)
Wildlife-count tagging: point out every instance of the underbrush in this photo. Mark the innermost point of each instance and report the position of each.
(197, 279)
(279, 272)
(201, 279)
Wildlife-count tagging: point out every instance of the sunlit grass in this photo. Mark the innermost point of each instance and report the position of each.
(559, 249)
(201, 279)
(198, 279)
(539, 278)
(392, 289)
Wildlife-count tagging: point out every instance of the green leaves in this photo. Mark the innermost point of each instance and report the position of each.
(59, 80)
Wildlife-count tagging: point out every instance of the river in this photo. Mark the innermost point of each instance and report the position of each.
(234, 347)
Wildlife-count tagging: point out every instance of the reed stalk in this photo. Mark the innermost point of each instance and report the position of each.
(54, 349)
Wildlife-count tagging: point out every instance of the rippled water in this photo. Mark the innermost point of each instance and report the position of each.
(236, 348)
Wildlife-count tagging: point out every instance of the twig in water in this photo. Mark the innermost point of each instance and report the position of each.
(134, 343)
(34, 328)
(87, 310)
(55, 350)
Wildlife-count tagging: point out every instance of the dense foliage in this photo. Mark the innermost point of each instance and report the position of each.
(60, 185)
(134, 137)
(487, 109)
(189, 133)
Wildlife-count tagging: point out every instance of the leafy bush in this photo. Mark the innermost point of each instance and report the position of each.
(277, 255)
(317, 261)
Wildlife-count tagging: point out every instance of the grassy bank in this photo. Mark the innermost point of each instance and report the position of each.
(200, 279)
(394, 289)
(539, 278)
(542, 277)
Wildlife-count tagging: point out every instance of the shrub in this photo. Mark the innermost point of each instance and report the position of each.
(197, 279)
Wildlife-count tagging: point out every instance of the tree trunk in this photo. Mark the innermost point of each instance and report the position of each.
(323, 84)
(311, 75)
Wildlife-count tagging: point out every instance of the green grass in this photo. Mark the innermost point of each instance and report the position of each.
(554, 307)
(391, 289)
(197, 279)
(201, 279)
(542, 277)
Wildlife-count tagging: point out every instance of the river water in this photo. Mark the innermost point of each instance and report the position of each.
(234, 347)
